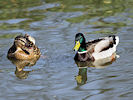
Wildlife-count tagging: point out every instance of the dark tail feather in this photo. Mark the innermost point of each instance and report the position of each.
(115, 39)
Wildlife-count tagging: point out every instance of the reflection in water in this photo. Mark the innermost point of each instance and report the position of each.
(81, 78)
(20, 65)
(53, 23)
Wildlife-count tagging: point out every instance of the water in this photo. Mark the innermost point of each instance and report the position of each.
(54, 23)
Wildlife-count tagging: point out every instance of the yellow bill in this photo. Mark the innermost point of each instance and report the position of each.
(77, 45)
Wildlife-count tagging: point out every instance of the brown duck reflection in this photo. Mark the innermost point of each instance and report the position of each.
(81, 78)
(20, 65)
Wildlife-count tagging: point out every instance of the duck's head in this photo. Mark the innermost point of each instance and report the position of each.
(24, 41)
(80, 44)
(30, 38)
(20, 41)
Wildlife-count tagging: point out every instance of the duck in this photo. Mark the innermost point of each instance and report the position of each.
(23, 48)
(95, 49)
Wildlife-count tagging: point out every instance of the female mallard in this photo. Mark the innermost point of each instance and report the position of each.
(24, 48)
(96, 49)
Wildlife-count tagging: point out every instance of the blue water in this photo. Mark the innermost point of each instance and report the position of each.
(54, 25)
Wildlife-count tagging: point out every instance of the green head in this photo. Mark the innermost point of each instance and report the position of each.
(80, 43)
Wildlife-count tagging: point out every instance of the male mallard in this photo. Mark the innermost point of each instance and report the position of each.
(96, 49)
(24, 48)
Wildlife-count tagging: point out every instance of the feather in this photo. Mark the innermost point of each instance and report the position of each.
(105, 47)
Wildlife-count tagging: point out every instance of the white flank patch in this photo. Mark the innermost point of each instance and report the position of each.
(107, 53)
(104, 54)
(102, 44)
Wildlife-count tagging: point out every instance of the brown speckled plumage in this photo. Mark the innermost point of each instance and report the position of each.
(23, 48)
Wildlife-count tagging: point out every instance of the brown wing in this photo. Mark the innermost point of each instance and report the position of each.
(12, 49)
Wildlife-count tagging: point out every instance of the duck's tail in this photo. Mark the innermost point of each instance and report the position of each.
(115, 39)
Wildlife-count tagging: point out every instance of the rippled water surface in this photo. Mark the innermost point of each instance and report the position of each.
(54, 23)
